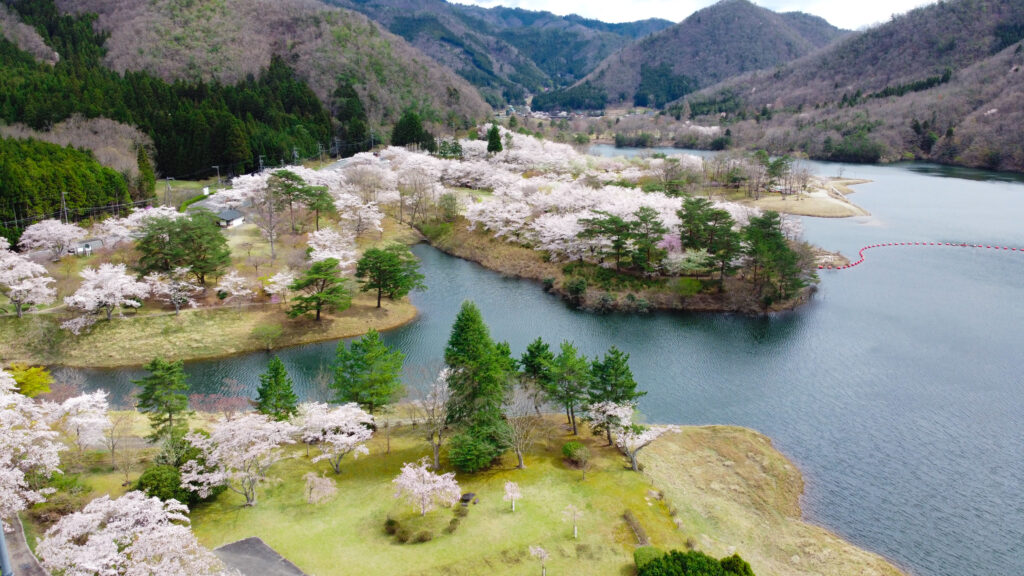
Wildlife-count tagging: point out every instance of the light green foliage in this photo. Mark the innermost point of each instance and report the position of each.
(275, 396)
(163, 397)
(195, 243)
(268, 333)
(569, 380)
(31, 380)
(368, 372)
(320, 288)
(393, 271)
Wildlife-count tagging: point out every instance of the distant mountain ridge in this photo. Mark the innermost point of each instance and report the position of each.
(506, 52)
(711, 45)
(944, 82)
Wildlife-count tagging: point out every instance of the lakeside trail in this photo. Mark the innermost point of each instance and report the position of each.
(731, 492)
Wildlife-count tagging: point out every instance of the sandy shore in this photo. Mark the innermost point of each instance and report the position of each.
(733, 492)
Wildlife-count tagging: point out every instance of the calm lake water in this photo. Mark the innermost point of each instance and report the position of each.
(899, 390)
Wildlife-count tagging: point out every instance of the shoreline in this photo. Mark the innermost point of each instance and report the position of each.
(202, 334)
(520, 262)
(734, 491)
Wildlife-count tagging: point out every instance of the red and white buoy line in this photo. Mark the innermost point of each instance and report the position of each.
(890, 244)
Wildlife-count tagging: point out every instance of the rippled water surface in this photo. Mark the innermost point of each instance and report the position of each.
(898, 389)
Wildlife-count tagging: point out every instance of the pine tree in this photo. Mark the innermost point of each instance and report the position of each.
(164, 398)
(494, 139)
(569, 381)
(368, 372)
(275, 396)
(612, 381)
(393, 271)
(320, 288)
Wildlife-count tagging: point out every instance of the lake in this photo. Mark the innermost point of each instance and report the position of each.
(899, 390)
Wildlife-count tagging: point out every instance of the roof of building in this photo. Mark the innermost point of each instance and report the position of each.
(252, 557)
(229, 215)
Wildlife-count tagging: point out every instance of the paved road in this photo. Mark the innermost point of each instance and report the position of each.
(252, 557)
(25, 564)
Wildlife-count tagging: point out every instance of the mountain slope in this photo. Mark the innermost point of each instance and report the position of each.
(227, 40)
(720, 41)
(506, 52)
(943, 83)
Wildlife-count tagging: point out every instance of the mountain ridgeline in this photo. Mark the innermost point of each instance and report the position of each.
(711, 45)
(941, 83)
(507, 53)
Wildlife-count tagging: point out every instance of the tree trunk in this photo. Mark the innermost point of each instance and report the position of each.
(380, 292)
(572, 413)
(632, 461)
(437, 454)
(318, 313)
(17, 308)
(519, 455)
(608, 430)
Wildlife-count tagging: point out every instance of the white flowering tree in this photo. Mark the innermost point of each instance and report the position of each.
(22, 281)
(634, 438)
(235, 287)
(512, 493)
(116, 230)
(433, 407)
(541, 555)
(28, 446)
(107, 288)
(52, 235)
(177, 288)
(237, 455)
(84, 420)
(133, 535)
(425, 489)
(278, 284)
(336, 431)
(319, 488)
(572, 513)
(327, 243)
(610, 417)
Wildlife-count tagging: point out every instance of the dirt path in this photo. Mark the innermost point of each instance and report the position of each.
(24, 563)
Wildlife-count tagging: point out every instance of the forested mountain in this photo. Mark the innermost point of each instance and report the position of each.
(944, 82)
(718, 42)
(506, 52)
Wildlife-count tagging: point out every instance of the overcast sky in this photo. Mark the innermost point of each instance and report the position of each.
(842, 13)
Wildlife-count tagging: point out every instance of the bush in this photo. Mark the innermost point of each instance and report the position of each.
(424, 536)
(687, 286)
(693, 563)
(468, 453)
(461, 512)
(403, 534)
(549, 283)
(164, 482)
(452, 526)
(645, 554)
(575, 452)
(576, 287)
(634, 524)
(736, 565)
(391, 526)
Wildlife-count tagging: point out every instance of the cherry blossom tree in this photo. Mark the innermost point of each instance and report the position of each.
(634, 438)
(542, 555)
(237, 454)
(116, 230)
(425, 489)
(610, 417)
(329, 243)
(523, 424)
(319, 489)
(512, 493)
(235, 287)
(107, 288)
(279, 283)
(52, 235)
(573, 514)
(133, 535)
(177, 288)
(22, 281)
(84, 421)
(433, 407)
(337, 431)
(28, 447)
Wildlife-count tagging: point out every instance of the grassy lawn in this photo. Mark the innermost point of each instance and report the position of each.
(348, 531)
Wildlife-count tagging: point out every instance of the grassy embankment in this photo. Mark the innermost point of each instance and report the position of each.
(720, 489)
(215, 329)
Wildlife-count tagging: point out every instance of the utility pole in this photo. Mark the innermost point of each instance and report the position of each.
(320, 151)
(167, 194)
(295, 154)
(217, 168)
(261, 162)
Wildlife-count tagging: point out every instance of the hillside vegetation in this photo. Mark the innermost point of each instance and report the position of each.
(941, 83)
(718, 42)
(506, 52)
(230, 40)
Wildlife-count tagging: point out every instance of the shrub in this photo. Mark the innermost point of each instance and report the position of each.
(424, 536)
(575, 452)
(549, 283)
(645, 554)
(693, 563)
(403, 534)
(164, 482)
(576, 287)
(391, 526)
(468, 453)
(687, 286)
(736, 565)
(634, 524)
(453, 525)
(461, 512)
